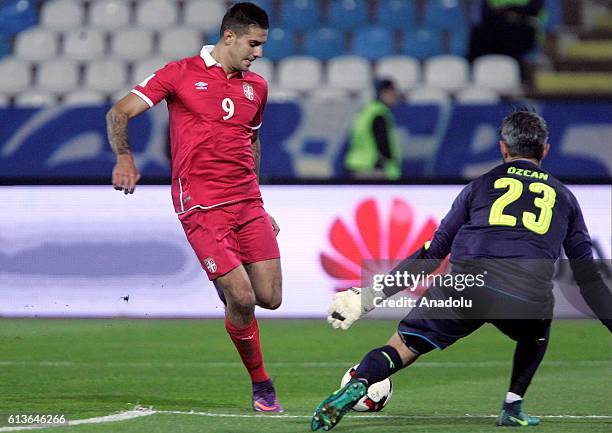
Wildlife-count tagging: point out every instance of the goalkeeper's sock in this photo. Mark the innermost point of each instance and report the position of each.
(246, 341)
(379, 364)
(512, 397)
(527, 358)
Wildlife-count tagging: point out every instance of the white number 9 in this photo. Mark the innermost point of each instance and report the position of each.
(228, 107)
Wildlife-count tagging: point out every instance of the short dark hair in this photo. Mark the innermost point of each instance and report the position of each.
(383, 84)
(241, 16)
(525, 132)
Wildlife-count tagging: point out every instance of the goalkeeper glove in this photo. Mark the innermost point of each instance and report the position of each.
(346, 308)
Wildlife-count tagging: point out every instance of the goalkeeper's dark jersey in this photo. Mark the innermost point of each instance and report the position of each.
(512, 222)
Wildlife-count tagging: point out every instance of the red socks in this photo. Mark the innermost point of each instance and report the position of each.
(246, 341)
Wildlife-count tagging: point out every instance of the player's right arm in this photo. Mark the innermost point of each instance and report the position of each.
(145, 95)
(125, 173)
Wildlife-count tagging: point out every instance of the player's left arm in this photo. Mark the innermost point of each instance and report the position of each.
(579, 250)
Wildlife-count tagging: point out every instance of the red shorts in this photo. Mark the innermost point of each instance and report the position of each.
(227, 236)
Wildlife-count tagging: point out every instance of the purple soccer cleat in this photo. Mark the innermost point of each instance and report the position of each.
(264, 397)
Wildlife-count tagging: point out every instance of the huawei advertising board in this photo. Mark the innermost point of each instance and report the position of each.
(92, 252)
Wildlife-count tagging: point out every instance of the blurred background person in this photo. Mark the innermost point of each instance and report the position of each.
(374, 151)
(508, 27)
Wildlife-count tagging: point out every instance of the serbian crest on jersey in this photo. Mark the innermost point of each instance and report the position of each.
(210, 265)
(248, 91)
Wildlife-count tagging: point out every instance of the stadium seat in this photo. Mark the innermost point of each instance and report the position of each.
(204, 14)
(283, 95)
(5, 46)
(421, 43)
(143, 68)
(265, 68)
(324, 43)
(84, 97)
(428, 95)
(16, 16)
(458, 42)
(396, 14)
(347, 14)
(132, 44)
(329, 94)
(477, 95)
(35, 98)
(180, 42)
(300, 14)
(58, 75)
(300, 73)
(445, 14)
(105, 75)
(497, 72)
(554, 16)
(84, 44)
(16, 76)
(62, 14)
(156, 14)
(373, 42)
(364, 96)
(351, 73)
(447, 72)
(109, 14)
(281, 44)
(403, 70)
(36, 44)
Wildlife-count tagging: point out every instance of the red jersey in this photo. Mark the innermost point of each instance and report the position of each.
(212, 121)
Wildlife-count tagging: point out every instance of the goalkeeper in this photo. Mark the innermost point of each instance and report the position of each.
(509, 225)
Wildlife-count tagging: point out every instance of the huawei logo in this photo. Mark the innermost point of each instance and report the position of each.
(375, 243)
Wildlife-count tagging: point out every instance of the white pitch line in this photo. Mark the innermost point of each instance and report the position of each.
(424, 364)
(121, 416)
(142, 412)
(365, 416)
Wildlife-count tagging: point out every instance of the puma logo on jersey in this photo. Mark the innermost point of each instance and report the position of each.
(201, 85)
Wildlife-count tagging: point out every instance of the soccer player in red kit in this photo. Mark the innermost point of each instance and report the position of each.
(215, 105)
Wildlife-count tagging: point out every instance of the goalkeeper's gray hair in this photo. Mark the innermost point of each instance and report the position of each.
(525, 132)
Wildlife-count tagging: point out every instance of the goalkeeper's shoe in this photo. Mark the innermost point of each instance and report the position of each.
(333, 408)
(513, 416)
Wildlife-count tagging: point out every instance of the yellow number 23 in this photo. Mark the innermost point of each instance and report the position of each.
(536, 223)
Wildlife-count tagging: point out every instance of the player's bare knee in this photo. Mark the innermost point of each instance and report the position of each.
(269, 294)
(276, 302)
(242, 301)
(272, 302)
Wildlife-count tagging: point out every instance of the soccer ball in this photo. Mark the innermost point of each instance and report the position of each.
(378, 395)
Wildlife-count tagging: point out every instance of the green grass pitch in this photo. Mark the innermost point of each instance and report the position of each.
(93, 368)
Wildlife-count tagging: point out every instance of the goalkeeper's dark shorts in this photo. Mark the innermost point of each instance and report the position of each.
(431, 326)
